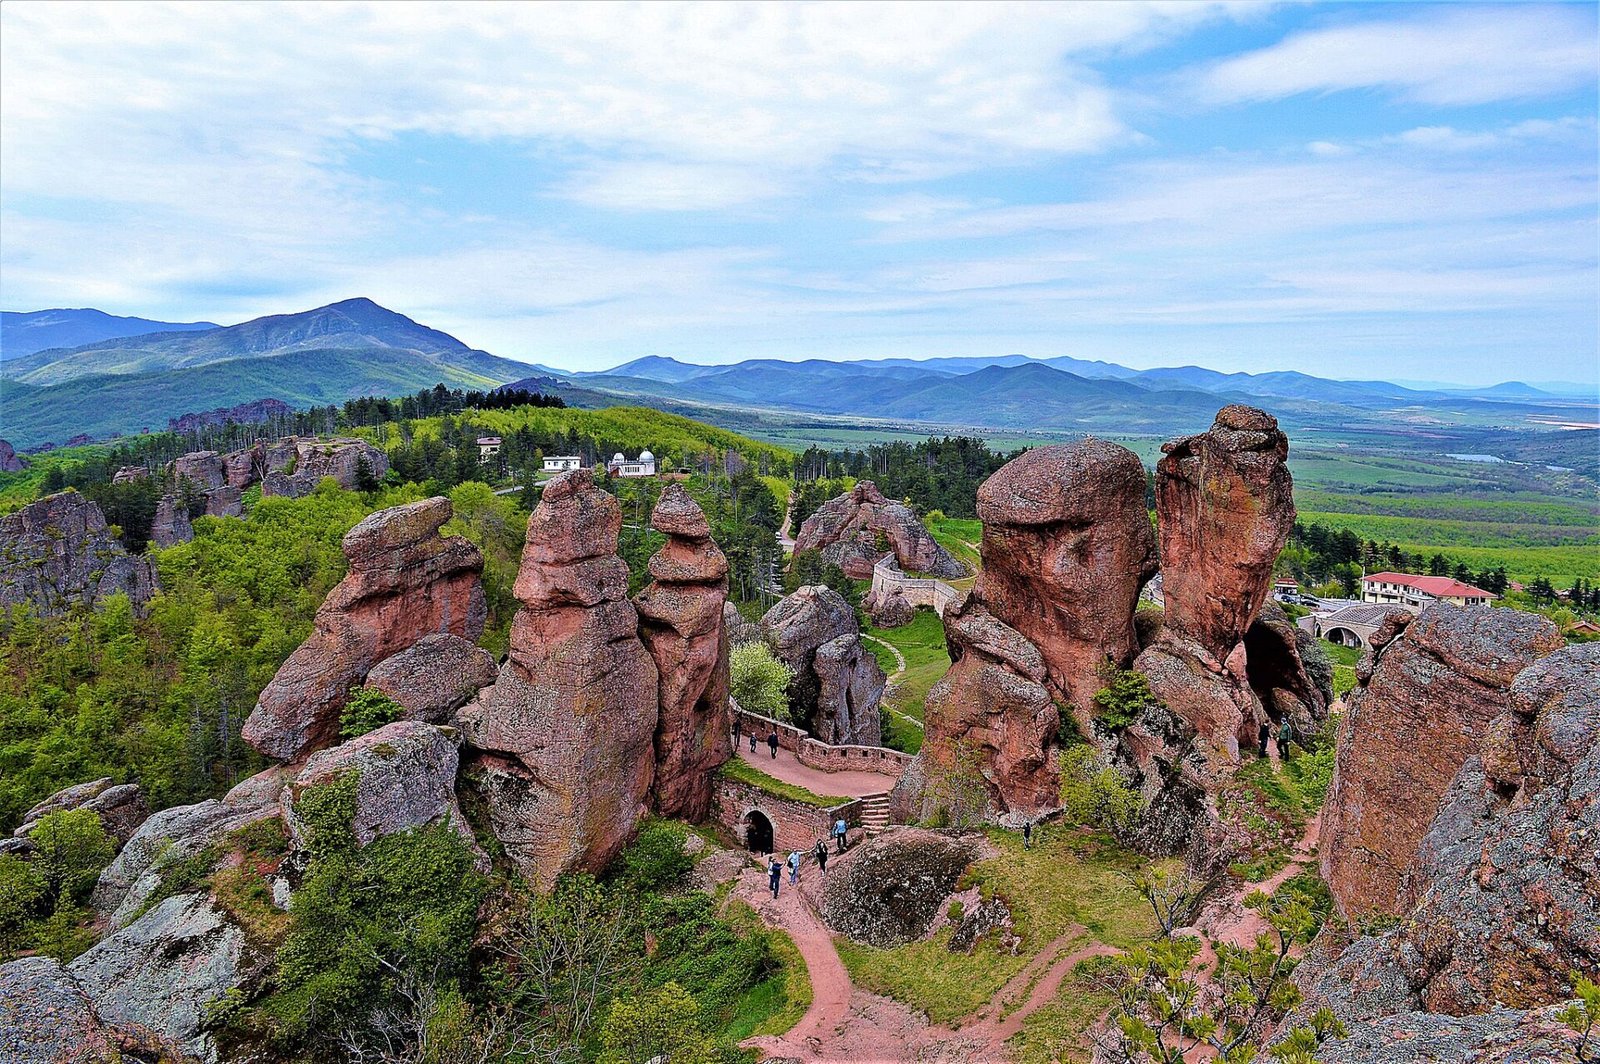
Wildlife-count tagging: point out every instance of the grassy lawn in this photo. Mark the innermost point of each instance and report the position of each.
(954, 534)
(742, 771)
(776, 1003)
(1067, 879)
(1057, 1031)
(1344, 667)
(922, 644)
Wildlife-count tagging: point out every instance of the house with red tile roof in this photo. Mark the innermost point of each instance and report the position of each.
(1415, 592)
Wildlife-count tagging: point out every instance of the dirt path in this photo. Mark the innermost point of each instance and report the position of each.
(900, 670)
(785, 540)
(852, 784)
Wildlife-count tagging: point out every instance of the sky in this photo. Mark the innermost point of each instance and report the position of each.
(1387, 190)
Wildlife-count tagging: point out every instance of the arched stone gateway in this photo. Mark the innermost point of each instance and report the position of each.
(758, 831)
(1344, 637)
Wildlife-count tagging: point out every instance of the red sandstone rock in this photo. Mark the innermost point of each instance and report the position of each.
(204, 468)
(9, 462)
(847, 531)
(243, 468)
(1067, 544)
(437, 674)
(566, 734)
(226, 501)
(681, 625)
(171, 523)
(57, 552)
(340, 459)
(405, 582)
(1423, 708)
(837, 683)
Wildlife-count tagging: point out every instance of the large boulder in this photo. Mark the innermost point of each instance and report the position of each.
(856, 530)
(57, 553)
(1426, 697)
(1067, 544)
(681, 625)
(205, 469)
(1289, 672)
(405, 582)
(9, 462)
(121, 807)
(991, 714)
(46, 1018)
(165, 970)
(170, 526)
(837, 682)
(566, 735)
(894, 886)
(435, 676)
(311, 460)
(243, 468)
(225, 501)
(406, 779)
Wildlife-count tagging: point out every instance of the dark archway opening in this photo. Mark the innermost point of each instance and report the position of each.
(1343, 636)
(757, 832)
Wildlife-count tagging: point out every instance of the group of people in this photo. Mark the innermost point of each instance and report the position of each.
(1285, 737)
(738, 733)
(775, 868)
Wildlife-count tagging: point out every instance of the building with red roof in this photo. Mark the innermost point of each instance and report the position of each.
(1415, 592)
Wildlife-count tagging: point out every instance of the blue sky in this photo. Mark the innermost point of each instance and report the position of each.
(1353, 190)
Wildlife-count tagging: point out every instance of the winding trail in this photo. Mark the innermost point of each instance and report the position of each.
(785, 540)
(900, 670)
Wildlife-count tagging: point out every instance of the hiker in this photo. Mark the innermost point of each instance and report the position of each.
(794, 867)
(1261, 739)
(1027, 834)
(822, 857)
(839, 833)
(752, 742)
(774, 872)
(772, 743)
(738, 730)
(1285, 737)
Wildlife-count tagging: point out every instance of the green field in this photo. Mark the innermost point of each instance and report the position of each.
(921, 643)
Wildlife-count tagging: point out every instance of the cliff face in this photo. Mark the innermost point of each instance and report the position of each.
(858, 528)
(58, 553)
(837, 683)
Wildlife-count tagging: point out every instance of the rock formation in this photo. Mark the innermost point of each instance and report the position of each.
(857, 529)
(739, 630)
(681, 624)
(837, 682)
(1289, 672)
(243, 468)
(1226, 505)
(566, 734)
(202, 468)
(121, 807)
(57, 553)
(1427, 694)
(406, 779)
(9, 462)
(1501, 902)
(1067, 544)
(894, 886)
(435, 676)
(170, 526)
(341, 459)
(46, 1018)
(129, 473)
(888, 606)
(405, 582)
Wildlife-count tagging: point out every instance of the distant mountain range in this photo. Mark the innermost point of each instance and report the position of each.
(39, 330)
(116, 382)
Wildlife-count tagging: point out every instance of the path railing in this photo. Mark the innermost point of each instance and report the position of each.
(820, 755)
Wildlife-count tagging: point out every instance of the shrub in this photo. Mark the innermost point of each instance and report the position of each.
(367, 711)
(1094, 793)
(1126, 694)
(758, 681)
(24, 895)
(73, 848)
(662, 1025)
(655, 860)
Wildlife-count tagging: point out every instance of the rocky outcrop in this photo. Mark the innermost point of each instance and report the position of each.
(681, 625)
(739, 630)
(162, 972)
(1502, 902)
(170, 525)
(566, 735)
(1289, 672)
(226, 501)
(173, 835)
(435, 676)
(243, 468)
(992, 714)
(57, 553)
(1427, 693)
(406, 779)
(888, 606)
(129, 473)
(9, 462)
(204, 469)
(254, 412)
(837, 682)
(1067, 544)
(857, 529)
(46, 1018)
(121, 807)
(341, 459)
(405, 582)
(894, 886)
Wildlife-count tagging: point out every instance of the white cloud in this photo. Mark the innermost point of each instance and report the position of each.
(1463, 55)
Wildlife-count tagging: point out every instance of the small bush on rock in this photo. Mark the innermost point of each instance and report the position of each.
(1096, 795)
(367, 711)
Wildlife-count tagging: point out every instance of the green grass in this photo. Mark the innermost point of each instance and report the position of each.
(778, 1002)
(742, 771)
(922, 644)
(954, 534)
(1056, 1033)
(1067, 879)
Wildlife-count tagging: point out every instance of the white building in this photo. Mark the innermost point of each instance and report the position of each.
(562, 463)
(643, 466)
(1415, 592)
(488, 447)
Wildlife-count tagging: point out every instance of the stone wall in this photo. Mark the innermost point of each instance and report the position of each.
(887, 576)
(819, 755)
(795, 825)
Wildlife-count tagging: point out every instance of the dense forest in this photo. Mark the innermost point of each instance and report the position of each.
(940, 473)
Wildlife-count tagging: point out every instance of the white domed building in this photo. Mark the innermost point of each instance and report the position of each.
(643, 466)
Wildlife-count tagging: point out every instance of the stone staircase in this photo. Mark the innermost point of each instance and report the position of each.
(875, 811)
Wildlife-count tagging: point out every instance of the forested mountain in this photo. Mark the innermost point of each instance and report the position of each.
(24, 333)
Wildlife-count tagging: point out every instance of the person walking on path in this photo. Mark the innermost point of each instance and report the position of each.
(772, 743)
(752, 742)
(738, 730)
(774, 874)
(822, 857)
(794, 867)
(1027, 834)
(1285, 737)
(839, 833)
(1261, 739)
